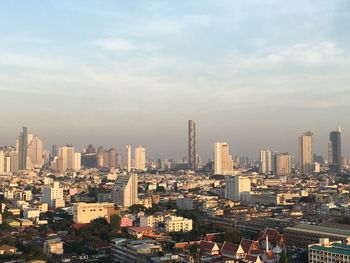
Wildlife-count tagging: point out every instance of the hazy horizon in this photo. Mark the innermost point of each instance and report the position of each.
(255, 74)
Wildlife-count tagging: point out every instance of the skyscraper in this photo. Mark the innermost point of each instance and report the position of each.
(128, 164)
(192, 162)
(223, 163)
(2, 162)
(99, 156)
(35, 153)
(140, 158)
(22, 149)
(265, 161)
(334, 151)
(306, 153)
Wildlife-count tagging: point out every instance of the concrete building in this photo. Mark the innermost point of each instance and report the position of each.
(86, 212)
(326, 251)
(265, 162)
(334, 151)
(178, 224)
(53, 246)
(140, 158)
(238, 188)
(53, 195)
(2, 162)
(35, 154)
(223, 163)
(283, 164)
(125, 192)
(151, 220)
(22, 148)
(192, 154)
(185, 203)
(306, 153)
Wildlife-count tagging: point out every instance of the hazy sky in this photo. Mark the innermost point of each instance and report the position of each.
(254, 73)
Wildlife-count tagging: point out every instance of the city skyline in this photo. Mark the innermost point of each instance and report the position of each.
(99, 76)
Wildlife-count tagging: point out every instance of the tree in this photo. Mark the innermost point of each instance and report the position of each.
(195, 252)
(285, 258)
(135, 209)
(115, 223)
(233, 236)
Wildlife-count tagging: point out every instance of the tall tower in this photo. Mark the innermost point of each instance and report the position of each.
(334, 151)
(128, 164)
(22, 149)
(140, 158)
(306, 153)
(283, 164)
(223, 163)
(192, 145)
(265, 161)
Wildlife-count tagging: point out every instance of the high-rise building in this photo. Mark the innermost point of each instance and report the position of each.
(35, 153)
(112, 158)
(67, 159)
(237, 188)
(22, 149)
(2, 162)
(140, 158)
(54, 150)
(125, 192)
(334, 151)
(283, 164)
(192, 161)
(223, 163)
(99, 157)
(306, 153)
(128, 164)
(53, 195)
(265, 162)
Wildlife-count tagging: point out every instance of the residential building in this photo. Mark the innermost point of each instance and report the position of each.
(53, 195)
(86, 212)
(223, 163)
(265, 162)
(53, 246)
(140, 158)
(326, 251)
(178, 224)
(306, 153)
(283, 164)
(125, 192)
(238, 188)
(334, 151)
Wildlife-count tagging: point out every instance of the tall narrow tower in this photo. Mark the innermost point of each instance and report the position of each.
(334, 151)
(128, 164)
(22, 149)
(306, 153)
(192, 145)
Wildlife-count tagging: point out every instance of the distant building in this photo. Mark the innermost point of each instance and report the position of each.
(192, 161)
(283, 164)
(140, 158)
(265, 162)
(125, 192)
(22, 149)
(306, 153)
(238, 188)
(334, 151)
(128, 164)
(53, 246)
(223, 163)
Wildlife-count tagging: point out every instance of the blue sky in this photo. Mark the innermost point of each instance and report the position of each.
(253, 73)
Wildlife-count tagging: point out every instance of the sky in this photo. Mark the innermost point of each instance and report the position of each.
(253, 73)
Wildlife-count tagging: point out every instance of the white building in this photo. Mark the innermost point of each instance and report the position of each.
(238, 188)
(86, 212)
(2, 162)
(125, 192)
(223, 163)
(151, 221)
(140, 158)
(128, 164)
(326, 251)
(178, 224)
(53, 195)
(265, 162)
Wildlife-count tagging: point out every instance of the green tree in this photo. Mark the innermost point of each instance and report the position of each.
(195, 252)
(285, 258)
(115, 223)
(233, 236)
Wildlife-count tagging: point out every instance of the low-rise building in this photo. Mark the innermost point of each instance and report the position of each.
(86, 212)
(326, 251)
(178, 224)
(53, 246)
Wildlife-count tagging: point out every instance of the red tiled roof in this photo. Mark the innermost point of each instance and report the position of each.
(229, 248)
(140, 229)
(213, 237)
(251, 258)
(246, 244)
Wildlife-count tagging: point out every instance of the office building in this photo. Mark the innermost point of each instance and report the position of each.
(99, 157)
(53, 195)
(192, 154)
(283, 164)
(128, 164)
(112, 155)
(84, 213)
(265, 162)
(68, 159)
(306, 153)
(223, 163)
(35, 155)
(238, 188)
(334, 151)
(125, 192)
(2, 162)
(140, 158)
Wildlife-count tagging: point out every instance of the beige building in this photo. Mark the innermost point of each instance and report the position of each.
(140, 158)
(68, 159)
(223, 163)
(53, 195)
(238, 188)
(125, 192)
(178, 224)
(128, 164)
(35, 153)
(53, 246)
(84, 213)
(151, 221)
(283, 164)
(306, 153)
